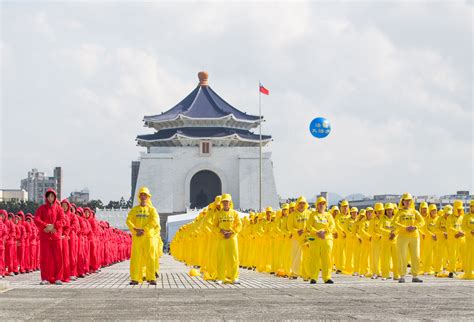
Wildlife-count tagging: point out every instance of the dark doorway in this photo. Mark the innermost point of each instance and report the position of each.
(205, 186)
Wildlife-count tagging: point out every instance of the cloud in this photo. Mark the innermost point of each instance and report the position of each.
(395, 80)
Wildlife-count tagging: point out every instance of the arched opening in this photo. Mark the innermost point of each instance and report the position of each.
(205, 186)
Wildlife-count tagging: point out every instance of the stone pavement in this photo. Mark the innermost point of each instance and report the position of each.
(107, 295)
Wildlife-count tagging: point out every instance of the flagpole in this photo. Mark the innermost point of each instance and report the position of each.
(260, 141)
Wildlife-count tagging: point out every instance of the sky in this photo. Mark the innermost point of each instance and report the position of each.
(395, 79)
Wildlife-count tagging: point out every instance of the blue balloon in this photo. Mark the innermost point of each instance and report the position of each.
(320, 127)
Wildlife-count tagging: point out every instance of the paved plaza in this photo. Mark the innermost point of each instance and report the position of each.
(107, 295)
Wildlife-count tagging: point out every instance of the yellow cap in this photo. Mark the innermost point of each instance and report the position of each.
(301, 199)
(285, 206)
(218, 200)
(354, 209)
(362, 212)
(448, 209)
(369, 209)
(423, 205)
(389, 205)
(407, 196)
(292, 204)
(320, 200)
(269, 209)
(344, 203)
(226, 197)
(335, 208)
(378, 206)
(457, 204)
(432, 207)
(144, 190)
(472, 202)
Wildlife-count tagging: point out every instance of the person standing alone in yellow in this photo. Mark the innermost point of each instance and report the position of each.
(143, 222)
(227, 224)
(408, 222)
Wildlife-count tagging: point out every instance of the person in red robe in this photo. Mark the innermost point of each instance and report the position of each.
(11, 262)
(65, 241)
(3, 238)
(74, 228)
(50, 219)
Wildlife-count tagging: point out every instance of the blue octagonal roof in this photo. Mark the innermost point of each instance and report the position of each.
(202, 103)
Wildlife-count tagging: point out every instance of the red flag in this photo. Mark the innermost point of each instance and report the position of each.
(263, 90)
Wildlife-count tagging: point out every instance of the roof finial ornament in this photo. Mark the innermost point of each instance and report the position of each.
(203, 78)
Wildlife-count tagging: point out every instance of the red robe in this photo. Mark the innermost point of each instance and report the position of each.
(50, 243)
(3, 238)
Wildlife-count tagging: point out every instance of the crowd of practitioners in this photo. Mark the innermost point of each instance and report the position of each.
(63, 241)
(382, 241)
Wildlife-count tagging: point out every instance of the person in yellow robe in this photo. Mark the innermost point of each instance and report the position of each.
(226, 225)
(408, 222)
(352, 243)
(143, 221)
(340, 220)
(297, 221)
(431, 239)
(388, 252)
(363, 226)
(456, 238)
(320, 228)
(440, 260)
(375, 243)
(468, 228)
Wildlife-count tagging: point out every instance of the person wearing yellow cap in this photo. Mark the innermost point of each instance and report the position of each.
(430, 240)
(277, 245)
(334, 211)
(247, 230)
(352, 243)
(297, 222)
(269, 226)
(468, 228)
(455, 237)
(243, 242)
(388, 252)
(340, 221)
(408, 222)
(423, 210)
(260, 232)
(363, 226)
(286, 241)
(227, 224)
(255, 240)
(375, 244)
(143, 221)
(210, 260)
(320, 229)
(440, 260)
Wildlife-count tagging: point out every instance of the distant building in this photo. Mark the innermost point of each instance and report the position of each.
(79, 197)
(37, 183)
(438, 201)
(370, 201)
(13, 195)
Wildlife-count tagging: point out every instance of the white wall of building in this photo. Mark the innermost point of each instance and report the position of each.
(167, 172)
